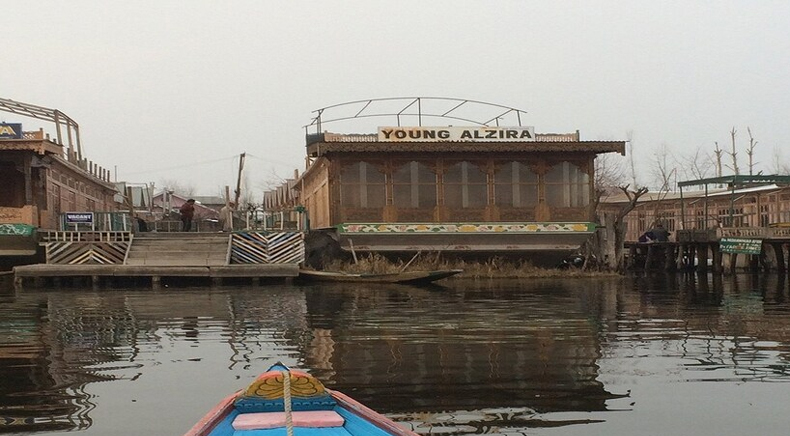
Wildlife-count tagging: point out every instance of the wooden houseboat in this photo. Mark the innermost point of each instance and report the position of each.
(43, 177)
(736, 214)
(478, 189)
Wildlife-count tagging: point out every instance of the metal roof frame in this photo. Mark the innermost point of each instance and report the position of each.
(739, 179)
(412, 106)
(55, 116)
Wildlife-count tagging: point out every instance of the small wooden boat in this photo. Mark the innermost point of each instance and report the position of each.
(405, 277)
(288, 402)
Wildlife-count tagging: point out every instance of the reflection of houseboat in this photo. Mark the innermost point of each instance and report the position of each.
(478, 189)
(43, 177)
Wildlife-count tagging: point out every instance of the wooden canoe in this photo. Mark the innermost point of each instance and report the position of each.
(406, 277)
(299, 406)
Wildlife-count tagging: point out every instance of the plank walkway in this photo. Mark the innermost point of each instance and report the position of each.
(155, 257)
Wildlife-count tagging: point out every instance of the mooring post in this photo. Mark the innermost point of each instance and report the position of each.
(702, 254)
(95, 281)
(779, 254)
(669, 256)
(717, 258)
(649, 257)
(733, 262)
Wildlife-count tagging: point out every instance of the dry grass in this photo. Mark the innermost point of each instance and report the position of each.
(491, 268)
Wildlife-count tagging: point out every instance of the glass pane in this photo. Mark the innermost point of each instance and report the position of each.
(349, 195)
(453, 195)
(504, 194)
(376, 196)
(476, 195)
(350, 173)
(403, 174)
(401, 196)
(525, 175)
(474, 174)
(427, 195)
(555, 196)
(528, 195)
(557, 173)
(372, 174)
(453, 174)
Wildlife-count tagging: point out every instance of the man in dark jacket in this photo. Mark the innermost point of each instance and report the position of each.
(660, 234)
(187, 211)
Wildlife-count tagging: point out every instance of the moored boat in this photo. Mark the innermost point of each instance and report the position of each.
(405, 277)
(289, 402)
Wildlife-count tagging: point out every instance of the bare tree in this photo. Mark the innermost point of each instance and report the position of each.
(630, 138)
(734, 154)
(780, 165)
(664, 171)
(750, 151)
(178, 188)
(718, 152)
(696, 165)
(616, 261)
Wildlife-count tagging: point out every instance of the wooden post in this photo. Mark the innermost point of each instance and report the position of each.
(669, 256)
(733, 262)
(779, 254)
(703, 257)
(227, 203)
(717, 258)
(649, 257)
(692, 257)
(680, 261)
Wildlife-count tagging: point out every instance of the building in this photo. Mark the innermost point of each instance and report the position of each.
(479, 189)
(729, 202)
(44, 177)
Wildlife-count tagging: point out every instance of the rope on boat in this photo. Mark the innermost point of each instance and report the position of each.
(289, 424)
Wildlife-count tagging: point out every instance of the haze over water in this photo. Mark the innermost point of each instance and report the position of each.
(664, 355)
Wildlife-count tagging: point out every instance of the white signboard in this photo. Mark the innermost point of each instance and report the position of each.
(457, 134)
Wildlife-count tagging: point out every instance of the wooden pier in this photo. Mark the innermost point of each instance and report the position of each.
(720, 250)
(97, 258)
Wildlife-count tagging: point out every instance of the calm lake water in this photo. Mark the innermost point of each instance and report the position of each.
(664, 355)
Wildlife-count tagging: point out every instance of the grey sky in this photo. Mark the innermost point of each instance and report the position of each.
(175, 84)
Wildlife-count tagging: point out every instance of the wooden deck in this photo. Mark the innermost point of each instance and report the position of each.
(120, 257)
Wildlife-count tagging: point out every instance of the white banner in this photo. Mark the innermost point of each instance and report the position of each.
(456, 134)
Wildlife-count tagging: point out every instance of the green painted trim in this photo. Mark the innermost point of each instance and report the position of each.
(17, 230)
(467, 228)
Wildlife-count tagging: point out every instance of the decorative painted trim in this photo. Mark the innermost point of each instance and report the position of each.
(16, 229)
(433, 228)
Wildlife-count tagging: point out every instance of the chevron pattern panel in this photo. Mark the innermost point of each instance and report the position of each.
(263, 247)
(86, 253)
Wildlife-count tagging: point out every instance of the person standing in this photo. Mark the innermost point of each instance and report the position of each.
(187, 211)
(226, 217)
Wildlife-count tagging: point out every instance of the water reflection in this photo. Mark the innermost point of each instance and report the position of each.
(504, 357)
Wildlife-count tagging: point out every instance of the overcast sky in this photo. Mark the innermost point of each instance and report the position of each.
(175, 90)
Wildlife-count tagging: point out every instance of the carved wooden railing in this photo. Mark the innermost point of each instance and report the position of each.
(81, 248)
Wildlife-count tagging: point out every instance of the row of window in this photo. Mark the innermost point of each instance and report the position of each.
(464, 185)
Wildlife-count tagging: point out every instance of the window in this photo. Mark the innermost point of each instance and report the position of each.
(362, 185)
(515, 185)
(414, 186)
(465, 186)
(567, 186)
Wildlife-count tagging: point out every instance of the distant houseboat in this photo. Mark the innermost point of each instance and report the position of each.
(43, 178)
(479, 189)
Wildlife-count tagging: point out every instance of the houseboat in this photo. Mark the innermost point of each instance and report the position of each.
(43, 178)
(477, 189)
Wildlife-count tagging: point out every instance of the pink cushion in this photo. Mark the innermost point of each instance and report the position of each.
(264, 420)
